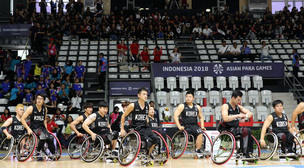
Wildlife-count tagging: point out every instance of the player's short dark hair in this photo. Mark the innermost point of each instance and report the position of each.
(190, 92)
(276, 102)
(103, 104)
(87, 105)
(236, 94)
(142, 89)
(43, 95)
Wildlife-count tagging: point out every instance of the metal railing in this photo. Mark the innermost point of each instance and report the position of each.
(291, 81)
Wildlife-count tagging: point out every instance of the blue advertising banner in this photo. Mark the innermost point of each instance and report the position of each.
(14, 29)
(268, 70)
(127, 88)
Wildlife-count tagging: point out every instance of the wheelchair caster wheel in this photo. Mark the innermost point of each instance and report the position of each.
(207, 157)
(237, 161)
(271, 158)
(297, 158)
(244, 162)
(256, 161)
(101, 159)
(150, 163)
(195, 157)
(115, 160)
(287, 158)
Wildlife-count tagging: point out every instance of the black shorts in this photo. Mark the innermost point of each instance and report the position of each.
(107, 136)
(42, 133)
(147, 134)
(194, 130)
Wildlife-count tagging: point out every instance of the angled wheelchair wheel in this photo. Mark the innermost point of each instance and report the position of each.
(271, 141)
(223, 148)
(129, 148)
(58, 150)
(207, 144)
(161, 150)
(300, 136)
(297, 147)
(26, 147)
(179, 144)
(6, 147)
(75, 146)
(91, 150)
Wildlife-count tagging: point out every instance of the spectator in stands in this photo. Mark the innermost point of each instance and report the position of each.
(28, 97)
(52, 52)
(246, 52)
(14, 62)
(144, 56)
(14, 99)
(94, 34)
(30, 84)
(39, 90)
(175, 56)
(5, 87)
(59, 118)
(6, 115)
(265, 52)
(218, 34)
(122, 49)
(157, 53)
(20, 86)
(67, 82)
(207, 33)
(234, 33)
(75, 103)
(66, 137)
(43, 5)
(51, 125)
(55, 76)
(53, 95)
(102, 71)
(134, 55)
(68, 69)
(79, 71)
(42, 83)
(77, 87)
(73, 33)
(235, 51)
(295, 65)
(83, 32)
(224, 52)
(38, 71)
(27, 65)
(197, 32)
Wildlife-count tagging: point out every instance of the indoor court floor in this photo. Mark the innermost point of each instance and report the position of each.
(183, 162)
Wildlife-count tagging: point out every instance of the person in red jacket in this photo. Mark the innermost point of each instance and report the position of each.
(122, 49)
(157, 54)
(144, 56)
(134, 54)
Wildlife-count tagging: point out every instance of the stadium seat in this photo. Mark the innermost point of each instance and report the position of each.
(207, 112)
(227, 95)
(233, 82)
(246, 83)
(214, 97)
(175, 98)
(184, 82)
(244, 97)
(159, 83)
(253, 96)
(171, 83)
(218, 114)
(208, 82)
(262, 113)
(199, 97)
(196, 82)
(258, 82)
(220, 82)
(3, 101)
(266, 97)
(161, 97)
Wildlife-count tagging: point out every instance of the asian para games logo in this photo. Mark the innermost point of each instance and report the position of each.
(218, 69)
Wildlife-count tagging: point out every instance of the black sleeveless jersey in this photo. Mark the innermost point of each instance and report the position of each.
(279, 124)
(17, 129)
(79, 126)
(100, 124)
(37, 117)
(153, 123)
(189, 115)
(139, 116)
(234, 123)
(301, 120)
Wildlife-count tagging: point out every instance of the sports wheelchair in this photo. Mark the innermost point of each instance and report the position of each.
(133, 147)
(226, 146)
(26, 149)
(90, 150)
(7, 146)
(182, 141)
(274, 148)
(74, 146)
